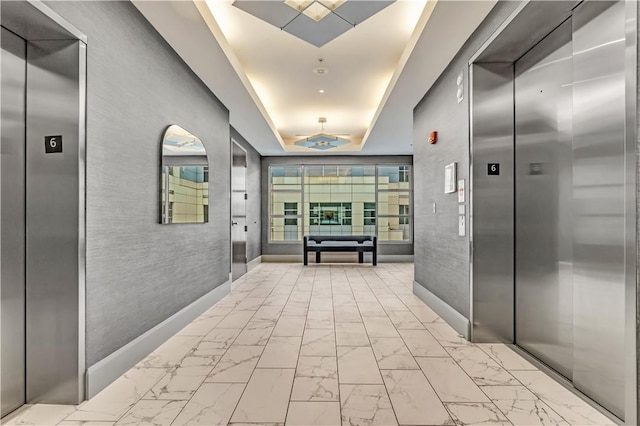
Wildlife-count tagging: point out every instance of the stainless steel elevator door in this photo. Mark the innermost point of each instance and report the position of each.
(543, 201)
(238, 211)
(12, 287)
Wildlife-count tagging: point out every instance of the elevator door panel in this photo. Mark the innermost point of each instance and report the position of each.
(238, 212)
(12, 291)
(543, 201)
(599, 185)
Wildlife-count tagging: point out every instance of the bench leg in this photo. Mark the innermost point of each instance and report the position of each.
(318, 257)
(305, 258)
(375, 258)
(360, 257)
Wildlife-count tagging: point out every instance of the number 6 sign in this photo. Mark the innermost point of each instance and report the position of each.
(52, 144)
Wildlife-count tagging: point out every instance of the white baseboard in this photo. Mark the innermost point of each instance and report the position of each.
(105, 371)
(253, 263)
(454, 318)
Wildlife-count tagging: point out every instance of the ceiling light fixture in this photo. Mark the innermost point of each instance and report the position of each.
(322, 141)
(320, 69)
(321, 91)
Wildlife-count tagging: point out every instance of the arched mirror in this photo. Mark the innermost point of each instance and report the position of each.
(185, 178)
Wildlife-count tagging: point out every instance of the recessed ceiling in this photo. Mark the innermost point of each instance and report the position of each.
(273, 114)
(357, 64)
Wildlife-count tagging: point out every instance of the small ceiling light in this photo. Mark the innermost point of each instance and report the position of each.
(320, 69)
(321, 91)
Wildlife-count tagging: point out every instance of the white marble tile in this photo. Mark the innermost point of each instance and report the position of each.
(211, 405)
(414, 400)
(321, 304)
(562, 401)
(342, 314)
(351, 334)
(366, 405)
(316, 379)
(290, 326)
(345, 300)
(392, 354)
(505, 357)
(357, 365)
(446, 335)
(200, 361)
(112, 402)
(236, 319)
(275, 299)
(256, 333)
(450, 382)
(371, 308)
(405, 320)
(392, 303)
(38, 414)
(150, 412)
(424, 313)
(170, 353)
(318, 343)
(180, 383)
(200, 326)
(380, 327)
(280, 352)
(250, 304)
(422, 343)
(217, 341)
(268, 313)
(79, 423)
(480, 367)
(236, 365)
(476, 414)
(320, 319)
(313, 413)
(522, 407)
(266, 397)
(297, 308)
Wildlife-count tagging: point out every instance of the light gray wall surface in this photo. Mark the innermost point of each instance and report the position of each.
(140, 272)
(254, 206)
(441, 256)
(295, 248)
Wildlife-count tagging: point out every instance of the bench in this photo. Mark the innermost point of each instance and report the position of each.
(340, 243)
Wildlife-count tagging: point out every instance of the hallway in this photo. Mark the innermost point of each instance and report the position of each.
(324, 345)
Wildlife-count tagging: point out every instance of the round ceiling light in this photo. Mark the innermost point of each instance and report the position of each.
(321, 70)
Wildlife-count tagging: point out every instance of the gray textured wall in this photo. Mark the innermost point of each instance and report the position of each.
(140, 272)
(254, 203)
(287, 248)
(441, 256)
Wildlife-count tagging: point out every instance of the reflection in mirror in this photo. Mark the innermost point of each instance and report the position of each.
(185, 178)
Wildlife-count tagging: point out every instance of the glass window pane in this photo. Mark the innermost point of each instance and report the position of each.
(394, 177)
(394, 229)
(285, 229)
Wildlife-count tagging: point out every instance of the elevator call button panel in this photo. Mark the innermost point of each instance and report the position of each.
(52, 144)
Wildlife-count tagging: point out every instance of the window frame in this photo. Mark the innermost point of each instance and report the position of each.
(301, 216)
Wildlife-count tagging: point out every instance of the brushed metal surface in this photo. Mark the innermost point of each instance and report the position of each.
(631, 213)
(238, 211)
(52, 223)
(543, 201)
(12, 280)
(492, 203)
(599, 194)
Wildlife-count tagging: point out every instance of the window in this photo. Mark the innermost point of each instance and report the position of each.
(340, 200)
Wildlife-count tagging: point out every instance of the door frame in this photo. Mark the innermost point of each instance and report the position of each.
(234, 142)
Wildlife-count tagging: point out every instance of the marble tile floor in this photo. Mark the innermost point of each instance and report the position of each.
(324, 345)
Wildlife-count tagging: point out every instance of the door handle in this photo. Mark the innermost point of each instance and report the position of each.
(234, 223)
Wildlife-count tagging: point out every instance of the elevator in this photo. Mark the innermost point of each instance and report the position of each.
(553, 235)
(42, 207)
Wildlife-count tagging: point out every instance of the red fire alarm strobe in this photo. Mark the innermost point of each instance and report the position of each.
(433, 138)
